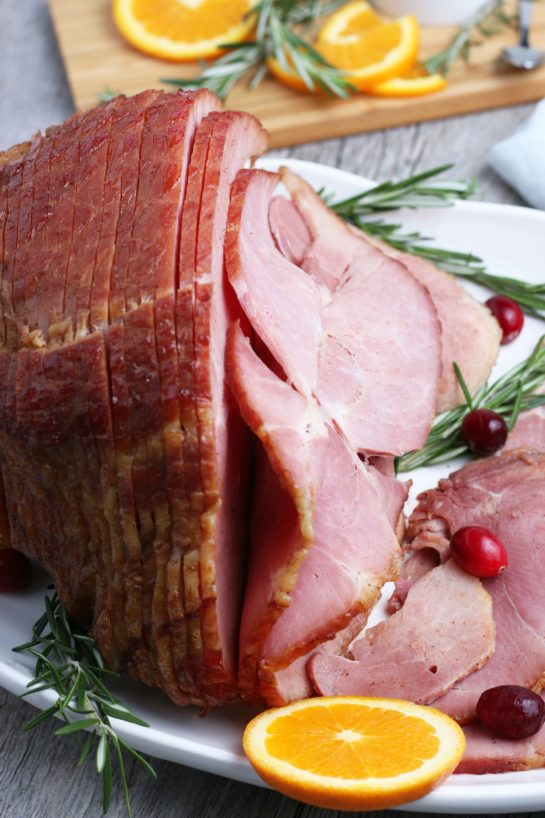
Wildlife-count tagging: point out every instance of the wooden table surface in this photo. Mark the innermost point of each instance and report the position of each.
(38, 778)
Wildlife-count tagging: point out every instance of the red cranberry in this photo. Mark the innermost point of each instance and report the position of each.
(511, 711)
(483, 431)
(478, 551)
(15, 570)
(509, 316)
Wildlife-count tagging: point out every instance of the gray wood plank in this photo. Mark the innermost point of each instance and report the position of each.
(38, 778)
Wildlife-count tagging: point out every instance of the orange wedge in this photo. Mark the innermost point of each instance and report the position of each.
(416, 83)
(183, 29)
(371, 50)
(353, 753)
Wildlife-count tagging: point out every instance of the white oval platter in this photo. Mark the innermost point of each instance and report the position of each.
(512, 242)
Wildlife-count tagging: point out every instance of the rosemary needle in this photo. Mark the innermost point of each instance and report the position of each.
(490, 18)
(68, 662)
(277, 25)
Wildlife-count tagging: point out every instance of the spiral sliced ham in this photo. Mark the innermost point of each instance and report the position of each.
(158, 305)
(99, 297)
(321, 545)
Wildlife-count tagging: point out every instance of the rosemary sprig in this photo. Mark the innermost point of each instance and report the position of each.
(69, 663)
(422, 191)
(414, 192)
(514, 392)
(277, 24)
(490, 18)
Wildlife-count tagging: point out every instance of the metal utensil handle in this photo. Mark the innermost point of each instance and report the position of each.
(525, 19)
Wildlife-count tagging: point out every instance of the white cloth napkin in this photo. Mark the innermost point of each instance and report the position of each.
(520, 159)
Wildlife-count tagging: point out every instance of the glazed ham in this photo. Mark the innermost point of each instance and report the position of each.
(99, 411)
(203, 390)
(443, 633)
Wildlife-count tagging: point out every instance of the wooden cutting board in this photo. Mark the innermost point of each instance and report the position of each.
(97, 59)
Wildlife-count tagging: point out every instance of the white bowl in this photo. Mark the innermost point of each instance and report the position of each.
(431, 12)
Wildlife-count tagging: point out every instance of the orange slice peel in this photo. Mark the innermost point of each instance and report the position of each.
(353, 753)
(416, 83)
(369, 51)
(183, 29)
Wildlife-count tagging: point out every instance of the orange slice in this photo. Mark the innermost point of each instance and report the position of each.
(353, 753)
(287, 75)
(183, 29)
(370, 51)
(415, 83)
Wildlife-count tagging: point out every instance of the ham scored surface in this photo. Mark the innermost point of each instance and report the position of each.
(107, 350)
(321, 545)
(444, 632)
(504, 494)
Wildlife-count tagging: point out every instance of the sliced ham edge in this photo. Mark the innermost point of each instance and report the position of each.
(231, 139)
(371, 304)
(302, 465)
(444, 632)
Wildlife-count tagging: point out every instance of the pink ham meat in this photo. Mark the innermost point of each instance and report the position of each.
(314, 499)
(443, 633)
(529, 431)
(504, 494)
(466, 324)
(338, 334)
(370, 345)
(216, 440)
(290, 232)
(287, 316)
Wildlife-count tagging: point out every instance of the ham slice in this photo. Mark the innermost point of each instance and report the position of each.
(311, 570)
(370, 346)
(444, 632)
(504, 494)
(216, 440)
(287, 316)
(352, 341)
(465, 324)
